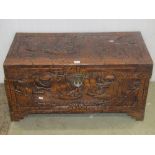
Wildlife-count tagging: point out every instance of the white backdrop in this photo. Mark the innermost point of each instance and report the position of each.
(8, 28)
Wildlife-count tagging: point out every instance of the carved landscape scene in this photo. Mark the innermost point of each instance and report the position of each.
(80, 89)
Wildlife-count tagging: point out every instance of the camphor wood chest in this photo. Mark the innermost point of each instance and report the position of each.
(77, 73)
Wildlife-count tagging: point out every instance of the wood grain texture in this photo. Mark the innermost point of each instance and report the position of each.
(112, 76)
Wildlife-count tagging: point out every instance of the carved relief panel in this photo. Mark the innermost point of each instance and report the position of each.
(78, 88)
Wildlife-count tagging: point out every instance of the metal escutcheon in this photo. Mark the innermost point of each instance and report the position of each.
(77, 83)
(78, 80)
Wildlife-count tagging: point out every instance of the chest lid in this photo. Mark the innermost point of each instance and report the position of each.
(121, 48)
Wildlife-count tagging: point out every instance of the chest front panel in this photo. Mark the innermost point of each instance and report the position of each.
(77, 88)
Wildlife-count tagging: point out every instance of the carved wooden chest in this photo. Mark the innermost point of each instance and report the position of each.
(77, 73)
